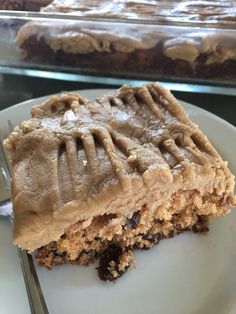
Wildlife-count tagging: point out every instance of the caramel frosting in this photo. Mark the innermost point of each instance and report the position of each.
(181, 43)
(218, 47)
(86, 37)
(75, 160)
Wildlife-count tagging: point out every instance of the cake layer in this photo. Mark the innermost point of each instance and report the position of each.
(86, 241)
(76, 160)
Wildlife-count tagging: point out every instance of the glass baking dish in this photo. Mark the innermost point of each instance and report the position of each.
(171, 50)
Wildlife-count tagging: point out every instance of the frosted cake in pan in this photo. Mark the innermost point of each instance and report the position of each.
(158, 48)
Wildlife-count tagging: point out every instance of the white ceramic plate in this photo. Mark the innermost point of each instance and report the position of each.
(189, 274)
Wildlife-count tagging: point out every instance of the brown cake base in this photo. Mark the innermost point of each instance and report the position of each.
(112, 239)
(151, 62)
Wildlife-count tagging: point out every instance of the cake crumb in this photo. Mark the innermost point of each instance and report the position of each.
(132, 158)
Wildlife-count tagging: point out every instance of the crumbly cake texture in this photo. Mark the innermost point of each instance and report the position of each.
(115, 48)
(97, 180)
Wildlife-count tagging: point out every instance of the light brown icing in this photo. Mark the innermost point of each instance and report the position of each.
(218, 47)
(75, 160)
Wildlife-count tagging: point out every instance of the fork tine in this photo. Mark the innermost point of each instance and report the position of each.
(10, 126)
(4, 165)
(2, 138)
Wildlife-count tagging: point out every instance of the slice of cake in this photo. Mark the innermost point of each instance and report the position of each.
(98, 180)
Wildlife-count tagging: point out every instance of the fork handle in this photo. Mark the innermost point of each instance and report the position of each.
(35, 295)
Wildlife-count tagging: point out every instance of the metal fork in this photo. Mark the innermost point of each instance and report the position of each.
(34, 292)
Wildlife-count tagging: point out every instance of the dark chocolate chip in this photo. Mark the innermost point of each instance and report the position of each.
(203, 219)
(201, 225)
(91, 253)
(53, 253)
(171, 234)
(200, 228)
(153, 239)
(56, 253)
(112, 254)
(62, 254)
(134, 220)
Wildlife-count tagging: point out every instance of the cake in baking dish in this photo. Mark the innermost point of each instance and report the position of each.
(96, 180)
(143, 48)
